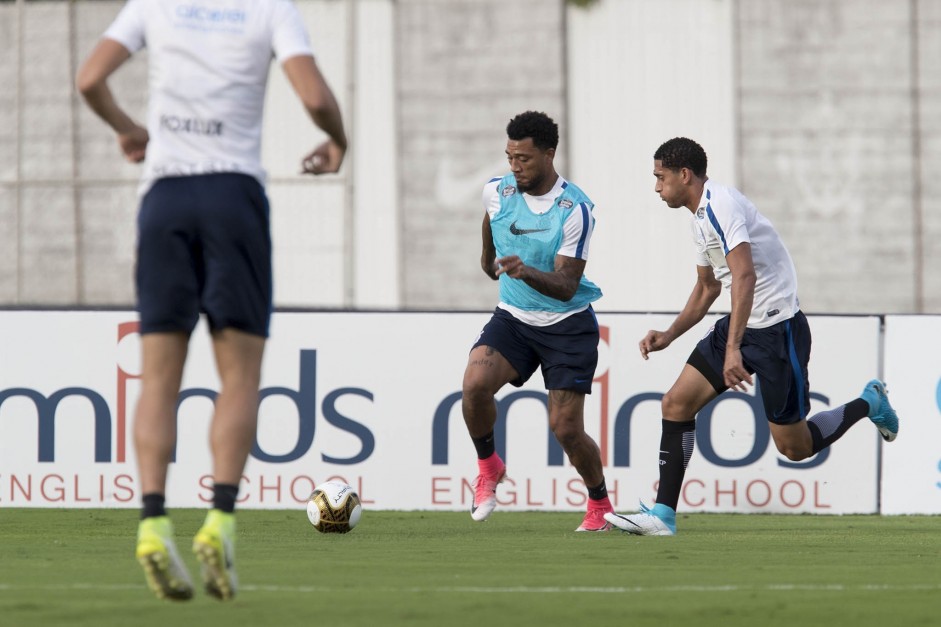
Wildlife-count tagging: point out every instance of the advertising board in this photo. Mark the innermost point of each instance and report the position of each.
(374, 399)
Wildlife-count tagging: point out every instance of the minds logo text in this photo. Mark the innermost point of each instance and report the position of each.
(622, 432)
(27, 403)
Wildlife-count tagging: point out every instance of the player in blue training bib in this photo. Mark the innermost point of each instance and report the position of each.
(536, 235)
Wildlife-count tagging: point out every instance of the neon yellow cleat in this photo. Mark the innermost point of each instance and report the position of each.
(214, 545)
(156, 552)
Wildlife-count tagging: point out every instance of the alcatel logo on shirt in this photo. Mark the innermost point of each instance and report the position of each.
(205, 14)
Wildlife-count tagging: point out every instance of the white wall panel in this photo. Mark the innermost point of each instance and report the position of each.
(640, 73)
(374, 160)
(911, 474)
(307, 236)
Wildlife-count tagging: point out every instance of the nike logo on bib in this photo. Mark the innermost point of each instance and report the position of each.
(516, 231)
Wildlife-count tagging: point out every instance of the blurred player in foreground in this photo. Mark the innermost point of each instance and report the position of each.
(536, 233)
(766, 335)
(203, 236)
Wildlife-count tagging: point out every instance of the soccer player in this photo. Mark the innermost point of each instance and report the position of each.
(203, 235)
(536, 233)
(766, 335)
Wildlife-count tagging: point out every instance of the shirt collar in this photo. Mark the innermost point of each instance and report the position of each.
(706, 194)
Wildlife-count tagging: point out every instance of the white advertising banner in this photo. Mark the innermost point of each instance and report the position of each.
(374, 399)
(911, 465)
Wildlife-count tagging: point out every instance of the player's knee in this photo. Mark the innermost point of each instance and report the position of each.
(471, 390)
(567, 433)
(476, 389)
(566, 437)
(673, 408)
(794, 452)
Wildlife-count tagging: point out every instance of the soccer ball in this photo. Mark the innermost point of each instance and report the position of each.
(334, 507)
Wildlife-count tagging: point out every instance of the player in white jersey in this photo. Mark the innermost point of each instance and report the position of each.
(203, 235)
(536, 234)
(765, 334)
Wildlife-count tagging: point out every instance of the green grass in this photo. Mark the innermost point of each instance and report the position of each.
(76, 568)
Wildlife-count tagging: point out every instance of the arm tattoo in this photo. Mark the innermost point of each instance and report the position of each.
(562, 282)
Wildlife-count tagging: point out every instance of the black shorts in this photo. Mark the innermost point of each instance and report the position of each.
(204, 245)
(567, 351)
(778, 355)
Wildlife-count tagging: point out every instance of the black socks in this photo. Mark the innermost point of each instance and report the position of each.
(223, 497)
(829, 426)
(485, 446)
(153, 506)
(676, 447)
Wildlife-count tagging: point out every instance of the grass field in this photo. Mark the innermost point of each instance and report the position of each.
(76, 568)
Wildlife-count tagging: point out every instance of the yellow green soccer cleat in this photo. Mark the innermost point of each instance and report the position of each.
(156, 552)
(214, 545)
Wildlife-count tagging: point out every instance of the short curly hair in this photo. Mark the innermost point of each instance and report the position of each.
(537, 126)
(681, 152)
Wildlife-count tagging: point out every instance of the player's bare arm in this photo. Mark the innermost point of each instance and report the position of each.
(705, 292)
(488, 256)
(742, 267)
(311, 87)
(561, 283)
(92, 82)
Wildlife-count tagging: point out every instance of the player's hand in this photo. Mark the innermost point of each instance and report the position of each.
(134, 143)
(654, 341)
(734, 371)
(511, 266)
(325, 159)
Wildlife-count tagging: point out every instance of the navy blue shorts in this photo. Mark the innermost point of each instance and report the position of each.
(778, 355)
(204, 245)
(567, 351)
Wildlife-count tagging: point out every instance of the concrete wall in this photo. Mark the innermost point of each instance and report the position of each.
(68, 200)
(836, 143)
(825, 113)
(927, 140)
(465, 69)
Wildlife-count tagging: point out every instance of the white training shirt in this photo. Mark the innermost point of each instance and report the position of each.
(209, 62)
(572, 236)
(725, 219)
